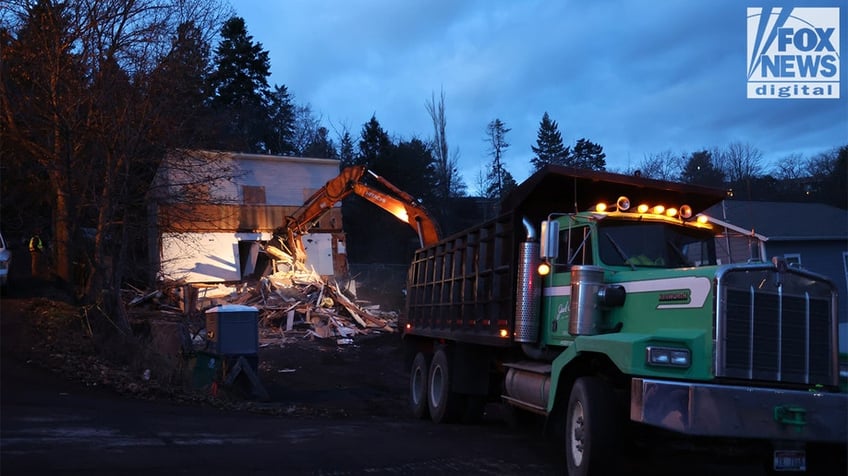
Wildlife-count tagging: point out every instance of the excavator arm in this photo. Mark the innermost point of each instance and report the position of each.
(405, 210)
(350, 181)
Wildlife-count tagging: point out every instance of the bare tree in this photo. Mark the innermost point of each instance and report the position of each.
(74, 108)
(739, 162)
(305, 128)
(827, 171)
(498, 177)
(789, 168)
(661, 166)
(449, 183)
(481, 182)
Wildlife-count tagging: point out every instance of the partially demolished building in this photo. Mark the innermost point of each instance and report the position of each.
(213, 211)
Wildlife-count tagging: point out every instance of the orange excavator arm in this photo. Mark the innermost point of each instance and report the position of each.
(405, 210)
(349, 181)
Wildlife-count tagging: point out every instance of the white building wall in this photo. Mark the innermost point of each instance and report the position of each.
(287, 180)
(215, 257)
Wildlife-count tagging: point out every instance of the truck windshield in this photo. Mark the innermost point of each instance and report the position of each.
(655, 245)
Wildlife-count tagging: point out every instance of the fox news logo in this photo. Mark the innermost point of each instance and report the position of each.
(793, 53)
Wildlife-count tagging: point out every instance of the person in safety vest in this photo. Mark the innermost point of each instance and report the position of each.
(36, 248)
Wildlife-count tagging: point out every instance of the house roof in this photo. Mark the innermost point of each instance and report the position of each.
(785, 221)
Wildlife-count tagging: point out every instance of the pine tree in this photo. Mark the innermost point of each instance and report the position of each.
(374, 142)
(322, 146)
(178, 86)
(548, 148)
(282, 112)
(700, 170)
(241, 94)
(587, 155)
(498, 190)
(347, 155)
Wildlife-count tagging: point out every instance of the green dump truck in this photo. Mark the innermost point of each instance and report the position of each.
(598, 301)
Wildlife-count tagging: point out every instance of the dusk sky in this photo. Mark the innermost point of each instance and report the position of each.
(636, 77)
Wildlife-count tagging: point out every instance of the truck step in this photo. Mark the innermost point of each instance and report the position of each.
(525, 405)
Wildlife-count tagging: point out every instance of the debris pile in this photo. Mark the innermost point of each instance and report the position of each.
(294, 301)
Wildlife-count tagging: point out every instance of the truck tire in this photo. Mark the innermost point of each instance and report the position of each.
(591, 435)
(444, 405)
(418, 376)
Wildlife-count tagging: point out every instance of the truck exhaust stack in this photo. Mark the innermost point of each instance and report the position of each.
(529, 288)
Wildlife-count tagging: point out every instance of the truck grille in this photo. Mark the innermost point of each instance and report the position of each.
(775, 326)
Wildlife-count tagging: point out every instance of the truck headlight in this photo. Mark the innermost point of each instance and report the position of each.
(668, 356)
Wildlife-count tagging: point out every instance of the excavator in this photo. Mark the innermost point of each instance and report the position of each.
(350, 181)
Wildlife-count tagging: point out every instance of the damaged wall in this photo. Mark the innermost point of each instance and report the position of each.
(217, 234)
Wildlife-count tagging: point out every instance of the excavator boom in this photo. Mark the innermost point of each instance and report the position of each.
(349, 181)
(324, 198)
(406, 211)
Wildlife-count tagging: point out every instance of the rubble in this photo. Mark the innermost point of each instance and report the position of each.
(293, 303)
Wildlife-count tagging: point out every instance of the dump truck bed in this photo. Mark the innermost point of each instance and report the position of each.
(463, 288)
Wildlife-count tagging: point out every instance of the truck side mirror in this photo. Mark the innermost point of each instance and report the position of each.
(549, 246)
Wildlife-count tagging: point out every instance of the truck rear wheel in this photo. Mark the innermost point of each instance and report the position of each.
(590, 429)
(418, 376)
(444, 405)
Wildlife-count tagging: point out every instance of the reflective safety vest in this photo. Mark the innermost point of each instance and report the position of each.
(35, 244)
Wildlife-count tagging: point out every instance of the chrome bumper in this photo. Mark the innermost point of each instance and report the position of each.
(741, 412)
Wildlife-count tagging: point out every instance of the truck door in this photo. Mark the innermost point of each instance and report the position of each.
(575, 246)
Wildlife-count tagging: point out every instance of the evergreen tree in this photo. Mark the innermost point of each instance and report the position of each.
(282, 112)
(374, 142)
(347, 155)
(240, 89)
(587, 155)
(411, 167)
(322, 146)
(548, 148)
(498, 190)
(178, 87)
(700, 170)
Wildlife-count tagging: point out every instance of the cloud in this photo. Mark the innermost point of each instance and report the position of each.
(636, 77)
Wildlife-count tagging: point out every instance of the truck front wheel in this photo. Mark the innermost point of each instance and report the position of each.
(445, 406)
(590, 430)
(418, 376)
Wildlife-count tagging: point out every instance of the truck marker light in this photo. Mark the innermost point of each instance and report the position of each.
(667, 356)
(544, 269)
(504, 333)
(601, 207)
(658, 209)
(672, 212)
(643, 208)
(702, 219)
